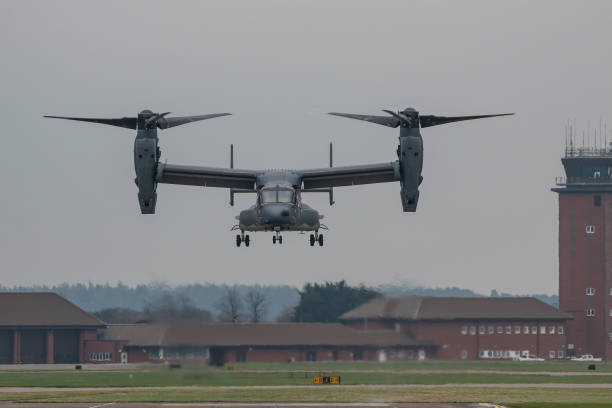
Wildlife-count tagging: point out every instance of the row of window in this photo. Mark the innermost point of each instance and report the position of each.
(509, 354)
(312, 356)
(591, 291)
(100, 356)
(591, 312)
(508, 330)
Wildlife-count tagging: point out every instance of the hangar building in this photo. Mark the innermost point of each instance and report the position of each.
(39, 328)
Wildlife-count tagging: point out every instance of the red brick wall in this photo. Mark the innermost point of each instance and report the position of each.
(255, 354)
(585, 261)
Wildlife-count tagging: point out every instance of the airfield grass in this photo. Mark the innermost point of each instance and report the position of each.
(513, 397)
(499, 365)
(211, 377)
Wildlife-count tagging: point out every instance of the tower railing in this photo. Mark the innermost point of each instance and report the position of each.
(572, 151)
(564, 181)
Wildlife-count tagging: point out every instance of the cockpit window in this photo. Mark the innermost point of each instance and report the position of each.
(277, 195)
(285, 196)
(268, 196)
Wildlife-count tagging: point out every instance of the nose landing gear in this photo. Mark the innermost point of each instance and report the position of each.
(278, 238)
(243, 238)
(316, 237)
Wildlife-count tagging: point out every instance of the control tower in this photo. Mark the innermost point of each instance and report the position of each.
(585, 249)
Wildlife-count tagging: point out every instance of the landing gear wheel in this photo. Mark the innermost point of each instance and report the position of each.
(280, 239)
(320, 239)
(247, 240)
(312, 240)
(274, 239)
(238, 240)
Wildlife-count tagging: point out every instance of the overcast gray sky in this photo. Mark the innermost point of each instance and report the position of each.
(486, 216)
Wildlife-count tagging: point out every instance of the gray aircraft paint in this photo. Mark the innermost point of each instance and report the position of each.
(280, 215)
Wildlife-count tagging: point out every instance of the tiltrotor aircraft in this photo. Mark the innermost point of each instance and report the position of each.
(279, 206)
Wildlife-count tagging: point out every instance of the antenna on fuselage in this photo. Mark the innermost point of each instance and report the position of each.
(331, 164)
(231, 167)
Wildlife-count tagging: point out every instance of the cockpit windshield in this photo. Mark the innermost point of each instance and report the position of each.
(277, 195)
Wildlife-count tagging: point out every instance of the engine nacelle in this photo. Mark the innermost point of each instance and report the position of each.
(410, 154)
(145, 163)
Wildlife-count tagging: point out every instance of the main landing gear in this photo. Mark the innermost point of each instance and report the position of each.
(243, 238)
(316, 237)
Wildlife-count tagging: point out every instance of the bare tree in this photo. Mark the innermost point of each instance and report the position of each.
(256, 305)
(287, 315)
(230, 306)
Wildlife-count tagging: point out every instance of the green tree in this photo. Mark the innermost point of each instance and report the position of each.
(326, 302)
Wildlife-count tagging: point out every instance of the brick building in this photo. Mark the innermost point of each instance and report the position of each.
(585, 249)
(43, 328)
(469, 328)
(220, 343)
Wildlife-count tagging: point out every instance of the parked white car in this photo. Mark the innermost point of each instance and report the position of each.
(529, 357)
(585, 357)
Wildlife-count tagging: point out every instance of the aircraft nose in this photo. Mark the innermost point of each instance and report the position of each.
(276, 214)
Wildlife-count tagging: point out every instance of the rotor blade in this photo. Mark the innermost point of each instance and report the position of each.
(155, 118)
(379, 120)
(431, 120)
(165, 123)
(129, 123)
(400, 116)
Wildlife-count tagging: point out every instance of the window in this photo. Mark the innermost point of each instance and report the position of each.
(335, 355)
(409, 355)
(517, 329)
(481, 329)
(311, 356)
(542, 329)
(560, 329)
(464, 330)
(508, 329)
(277, 195)
(464, 354)
(590, 312)
(491, 330)
(590, 291)
(551, 354)
(590, 229)
(534, 329)
(597, 201)
(610, 291)
(551, 330)
(560, 353)
(526, 330)
(500, 330)
(100, 356)
(472, 330)
(241, 356)
(611, 312)
(358, 355)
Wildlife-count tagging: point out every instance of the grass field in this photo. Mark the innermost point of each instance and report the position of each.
(432, 365)
(212, 377)
(507, 396)
(363, 382)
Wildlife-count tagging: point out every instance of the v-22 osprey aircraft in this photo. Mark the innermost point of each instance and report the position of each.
(279, 206)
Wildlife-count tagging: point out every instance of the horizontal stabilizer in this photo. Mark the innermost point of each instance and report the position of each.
(129, 123)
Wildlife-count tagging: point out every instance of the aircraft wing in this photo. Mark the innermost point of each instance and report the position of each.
(350, 175)
(206, 176)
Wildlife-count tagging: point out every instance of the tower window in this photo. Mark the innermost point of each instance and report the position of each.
(590, 229)
(590, 312)
(590, 291)
(597, 201)
(560, 330)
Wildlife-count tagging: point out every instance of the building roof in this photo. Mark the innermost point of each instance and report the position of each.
(456, 308)
(256, 334)
(43, 309)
